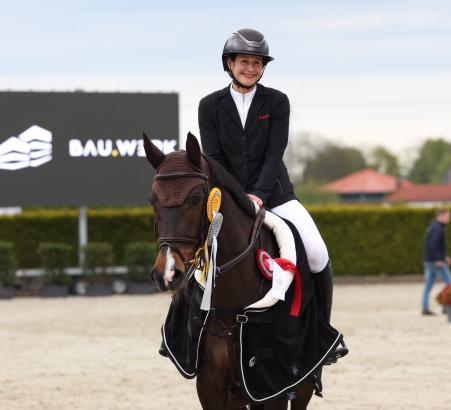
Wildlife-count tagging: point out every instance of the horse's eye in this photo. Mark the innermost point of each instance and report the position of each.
(193, 201)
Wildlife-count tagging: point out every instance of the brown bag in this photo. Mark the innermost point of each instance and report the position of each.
(444, 297)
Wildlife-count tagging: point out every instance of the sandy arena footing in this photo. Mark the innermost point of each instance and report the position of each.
(101, 354)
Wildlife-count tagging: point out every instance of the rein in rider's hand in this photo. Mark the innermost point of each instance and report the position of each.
(256, 199)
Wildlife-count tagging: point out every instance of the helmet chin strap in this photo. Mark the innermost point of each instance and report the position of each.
(241, 85)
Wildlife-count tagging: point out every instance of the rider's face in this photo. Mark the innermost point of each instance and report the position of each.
(247, 69)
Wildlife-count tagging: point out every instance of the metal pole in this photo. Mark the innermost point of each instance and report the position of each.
(82, 232)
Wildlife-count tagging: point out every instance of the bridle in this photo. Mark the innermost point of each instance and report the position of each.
(170, 241)
(192, 264)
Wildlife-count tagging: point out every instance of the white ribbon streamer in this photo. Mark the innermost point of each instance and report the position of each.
(206, 299)
(278, 280)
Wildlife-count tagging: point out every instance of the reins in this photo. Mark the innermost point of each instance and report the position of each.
(259, 218)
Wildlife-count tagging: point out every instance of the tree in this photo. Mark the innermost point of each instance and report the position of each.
(301, 147)
(311, 193)
(332, 162)
(432, 163)
(384, 161)
(443, 170)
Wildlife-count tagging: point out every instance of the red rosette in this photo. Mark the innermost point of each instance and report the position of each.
(263, 262)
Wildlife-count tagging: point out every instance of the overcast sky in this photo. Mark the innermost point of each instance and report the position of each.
(357, 72)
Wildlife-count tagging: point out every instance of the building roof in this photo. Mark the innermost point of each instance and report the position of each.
(366, 181)
(422, 193)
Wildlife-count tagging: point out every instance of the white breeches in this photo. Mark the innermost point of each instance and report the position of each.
(315, 247)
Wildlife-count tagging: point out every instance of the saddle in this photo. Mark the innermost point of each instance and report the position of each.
(278, 350)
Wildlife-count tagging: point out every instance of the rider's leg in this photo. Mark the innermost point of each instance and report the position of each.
(315, 247)
(323, 282)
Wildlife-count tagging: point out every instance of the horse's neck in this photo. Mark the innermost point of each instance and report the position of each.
(235, 231)
(238, 286)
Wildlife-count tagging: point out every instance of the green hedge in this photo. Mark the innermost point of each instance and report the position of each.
(374, 240)
(114, 226)
(54, 260)
(121, 227)
(7, 265)
(28, 229)
(139, 258)
(361, 240)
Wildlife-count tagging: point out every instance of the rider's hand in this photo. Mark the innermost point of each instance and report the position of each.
(438, 264)
(448, 260)
(256, 199)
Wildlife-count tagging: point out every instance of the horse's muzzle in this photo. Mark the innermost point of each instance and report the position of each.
(177, 282)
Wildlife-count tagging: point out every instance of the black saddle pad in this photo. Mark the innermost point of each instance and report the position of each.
(183, 329)
(277, 351)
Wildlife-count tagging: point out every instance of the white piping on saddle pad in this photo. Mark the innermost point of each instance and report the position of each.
(287, 250)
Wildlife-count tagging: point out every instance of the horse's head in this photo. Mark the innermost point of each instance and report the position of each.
(179, 195)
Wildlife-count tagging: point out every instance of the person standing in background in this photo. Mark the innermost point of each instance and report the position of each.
(435, 259)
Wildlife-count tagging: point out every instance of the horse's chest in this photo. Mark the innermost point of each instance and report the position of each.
(218, 345)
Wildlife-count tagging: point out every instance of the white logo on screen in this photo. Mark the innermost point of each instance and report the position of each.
(116, 148)
(31, 148)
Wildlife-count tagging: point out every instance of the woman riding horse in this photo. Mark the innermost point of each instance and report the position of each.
(239, 353)
(244, 127)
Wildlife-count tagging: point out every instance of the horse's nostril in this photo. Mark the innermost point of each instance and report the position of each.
(157, 277)
(178, 280)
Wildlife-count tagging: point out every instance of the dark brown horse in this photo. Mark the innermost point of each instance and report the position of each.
(179, 195)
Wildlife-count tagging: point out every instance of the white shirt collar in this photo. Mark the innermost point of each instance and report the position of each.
(249, 95)
(243, 102)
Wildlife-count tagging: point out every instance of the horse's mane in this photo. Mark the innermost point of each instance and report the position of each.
(223, 179)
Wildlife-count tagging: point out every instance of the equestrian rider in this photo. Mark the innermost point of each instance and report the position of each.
(244, 127)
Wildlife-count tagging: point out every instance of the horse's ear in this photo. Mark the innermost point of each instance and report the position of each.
(153, 154)
(193, 150)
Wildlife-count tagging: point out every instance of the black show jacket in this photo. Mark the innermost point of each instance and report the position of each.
(253, 155)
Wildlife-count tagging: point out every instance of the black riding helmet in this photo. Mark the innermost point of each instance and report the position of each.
(245, 41)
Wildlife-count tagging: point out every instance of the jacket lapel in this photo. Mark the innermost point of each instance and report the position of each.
(257, 103)
(229, 106)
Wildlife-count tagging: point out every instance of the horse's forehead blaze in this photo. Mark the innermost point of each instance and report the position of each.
(174, 191)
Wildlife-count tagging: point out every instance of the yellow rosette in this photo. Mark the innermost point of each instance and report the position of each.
(213, 203)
